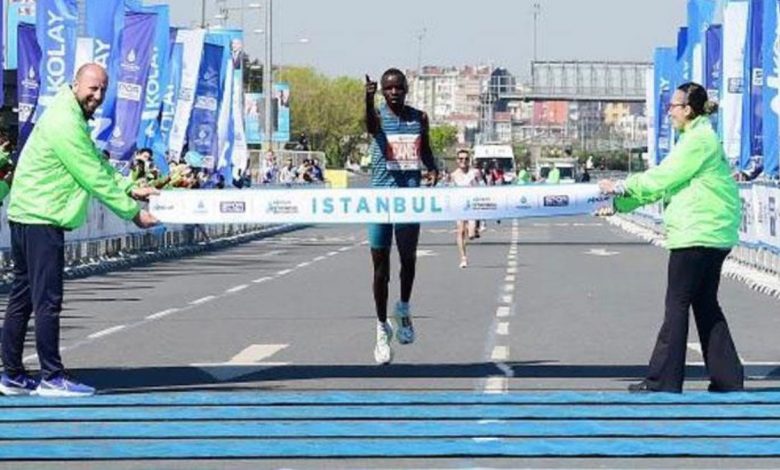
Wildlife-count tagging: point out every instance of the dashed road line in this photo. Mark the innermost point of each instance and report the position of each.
(203, 300)
(161, 314)
(233, 290)
(107, 331)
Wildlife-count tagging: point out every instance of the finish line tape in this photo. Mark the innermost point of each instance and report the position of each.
(374, 205)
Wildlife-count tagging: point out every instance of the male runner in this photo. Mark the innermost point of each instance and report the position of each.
(400, 147)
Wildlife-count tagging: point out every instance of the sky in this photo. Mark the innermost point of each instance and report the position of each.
(354, 37)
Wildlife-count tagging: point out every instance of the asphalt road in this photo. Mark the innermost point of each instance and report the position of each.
(546, 305)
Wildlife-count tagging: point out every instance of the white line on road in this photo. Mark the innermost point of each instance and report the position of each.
(510, 278)
(345, 248)
(161, 314)
(695, 347)
(496, 384)
(502, 312)
(262, 280)
(107, 331)
(319, 258)
(507, 299)
(333, 253)
(203, 300)
(233, 290)
(509, 288)
(284, 272)
(500, 353)
(303, 265)
(511, 270)
(502, 328)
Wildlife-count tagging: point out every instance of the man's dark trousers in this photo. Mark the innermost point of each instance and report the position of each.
(39, 260)
(693, 281)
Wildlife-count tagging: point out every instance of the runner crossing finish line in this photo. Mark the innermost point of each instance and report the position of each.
(375, 205)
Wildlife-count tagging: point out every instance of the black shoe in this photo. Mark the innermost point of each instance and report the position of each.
(641, 387)
(715, 389)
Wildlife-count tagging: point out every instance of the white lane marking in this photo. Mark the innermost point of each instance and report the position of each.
(247, 361)
(303, 265)
(510, 278)
(333, 253)
(284, 272)
(107, 331)
(424, 253)
(496, 384)
(233, 290)
(256, 353)
(502, 328)
(507, 299)
(319, 258)
(695, 347)
(203, 300)
(505, 369)
(262, 280)
(161, 314)
(502, 312)
(500, 353)
(509, 288)
(600, 252)
(511, 270)
(511, 258)
(345, 248)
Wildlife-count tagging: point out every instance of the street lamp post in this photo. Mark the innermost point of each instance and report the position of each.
(267, 79)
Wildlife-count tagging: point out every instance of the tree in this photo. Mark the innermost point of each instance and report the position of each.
(329, 111)
(443, 139)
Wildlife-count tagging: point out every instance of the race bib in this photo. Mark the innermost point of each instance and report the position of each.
(403, 152)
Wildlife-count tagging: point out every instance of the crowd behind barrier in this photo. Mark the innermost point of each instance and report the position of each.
(759, 233)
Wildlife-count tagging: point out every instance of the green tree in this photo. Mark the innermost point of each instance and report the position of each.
(443, 139)
(328, 110)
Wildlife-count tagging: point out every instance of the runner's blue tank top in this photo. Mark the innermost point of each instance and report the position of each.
(395, 150)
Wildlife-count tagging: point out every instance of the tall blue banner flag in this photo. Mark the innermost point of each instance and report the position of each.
(202, 131)
(28, 80)
(752, 122)
(682, 72)
(57, 27)
(713, 65)
(19, 11)
(136, 54)
(665, 62)
(168, 110)
(158, 78)
(771, 89)
(104, 19)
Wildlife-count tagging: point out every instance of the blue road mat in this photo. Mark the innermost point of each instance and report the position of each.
(282, 425)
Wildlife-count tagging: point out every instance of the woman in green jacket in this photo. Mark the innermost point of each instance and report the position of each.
(702, 216)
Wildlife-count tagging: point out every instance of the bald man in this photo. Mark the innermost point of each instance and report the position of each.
(58, 170)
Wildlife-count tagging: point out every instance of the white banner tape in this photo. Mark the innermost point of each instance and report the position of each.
(375, 205)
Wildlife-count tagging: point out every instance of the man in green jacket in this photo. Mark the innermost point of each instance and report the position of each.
(702, 217)
(58, 170)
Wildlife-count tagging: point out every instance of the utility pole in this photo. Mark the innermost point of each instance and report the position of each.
(420, 36)
(536, 12)
(268, 71)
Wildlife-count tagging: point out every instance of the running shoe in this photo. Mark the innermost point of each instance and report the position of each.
(403, 321)
(22, 384)
(62, 386)
(464, 262)
(383, 354)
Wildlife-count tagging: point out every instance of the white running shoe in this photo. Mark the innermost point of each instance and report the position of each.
(383, 354)
(403, 321)
(464, 262)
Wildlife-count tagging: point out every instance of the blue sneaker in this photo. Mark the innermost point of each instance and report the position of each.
(22, 384)
(63, 387)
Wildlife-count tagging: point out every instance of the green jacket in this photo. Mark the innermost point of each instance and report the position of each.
(701, 197)
(523, 177)
(4, 188)
(554, 176)
(60, 168)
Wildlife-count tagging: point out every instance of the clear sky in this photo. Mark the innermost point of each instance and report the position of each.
(353, 37)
